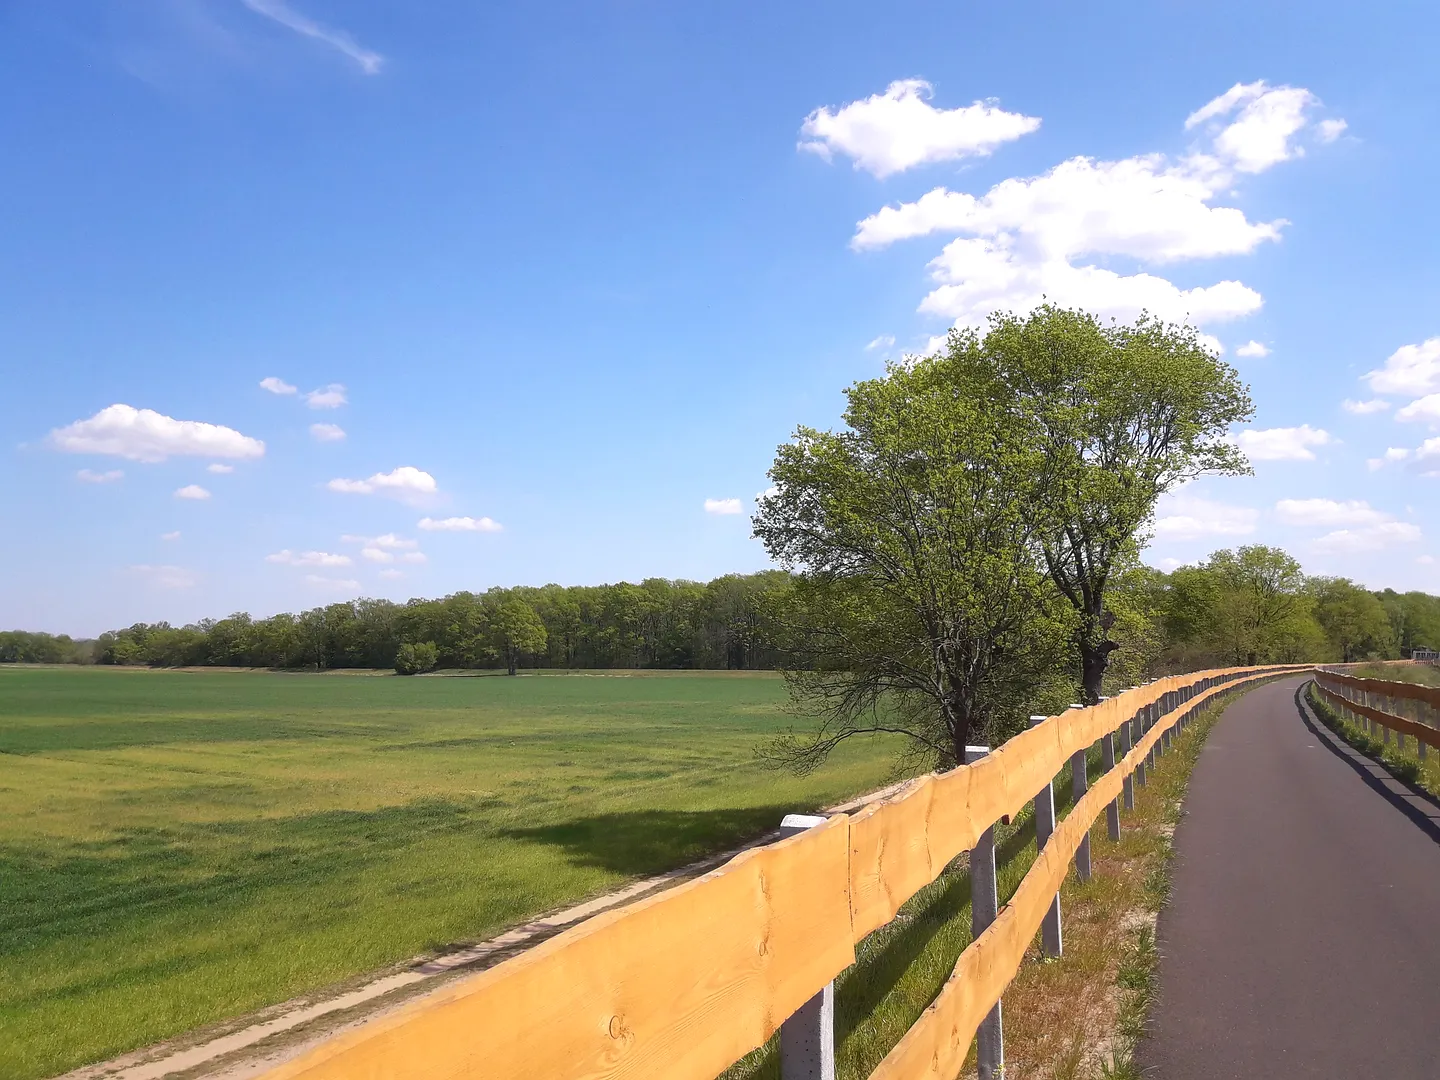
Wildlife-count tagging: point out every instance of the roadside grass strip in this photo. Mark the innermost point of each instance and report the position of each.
(1077, 1016)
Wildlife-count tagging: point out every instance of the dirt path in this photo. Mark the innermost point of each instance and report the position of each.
(250, 1045)
(1300, 940)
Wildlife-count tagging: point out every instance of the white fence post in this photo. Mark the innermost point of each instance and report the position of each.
(807, 1038)
(984, 906)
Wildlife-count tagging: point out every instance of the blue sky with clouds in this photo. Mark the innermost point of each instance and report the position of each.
(301, 300)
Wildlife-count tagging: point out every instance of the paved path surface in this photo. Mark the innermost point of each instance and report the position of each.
(1303, 935)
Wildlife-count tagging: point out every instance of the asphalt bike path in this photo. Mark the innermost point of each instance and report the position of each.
(1302, 937)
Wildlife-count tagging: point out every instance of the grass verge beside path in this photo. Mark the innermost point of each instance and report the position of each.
(1079, 1016)
(1403, 764)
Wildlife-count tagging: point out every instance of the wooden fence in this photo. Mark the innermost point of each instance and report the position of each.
(1380, 706)
(681, 985)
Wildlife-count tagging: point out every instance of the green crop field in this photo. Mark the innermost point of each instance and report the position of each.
(177, 848)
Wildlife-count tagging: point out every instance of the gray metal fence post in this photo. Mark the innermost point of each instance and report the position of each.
(807, 1038)
(984, 906)
(1112, 812)
(1138, 727)
(1051, 940)
(1079, 784)
(1127, 732)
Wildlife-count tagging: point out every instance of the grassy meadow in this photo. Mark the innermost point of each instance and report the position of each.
(177, 848)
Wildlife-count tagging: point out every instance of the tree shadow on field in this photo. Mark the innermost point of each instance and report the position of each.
(652, 841)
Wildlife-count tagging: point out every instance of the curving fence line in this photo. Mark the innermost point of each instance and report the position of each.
(1380, 705)
(683, 984)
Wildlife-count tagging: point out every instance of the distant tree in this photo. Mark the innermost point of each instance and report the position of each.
(1259, 603)
(918, 604)
(416, 658)
(517, 631)
(1124, 413)
(1354, 620)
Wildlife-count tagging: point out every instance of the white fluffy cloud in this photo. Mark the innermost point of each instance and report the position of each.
(459, 524)
(1253, 350)
(978, 277)
(1330, 130)
(899, 129)
(1370, 538)
(884, 341)
(1426, 409)
(308, 558)
(391, 574)
(1410, 369)
(219, 469)
(192, 491)
(146, 435)
(407, 483)
(388, 542)
(1365, 408)
(1189, 517)
(327, 432)
(1282, 444)
(1393, 454)
(166, 577)
(109, 476)
(327, 397)
(1141, 207)
(1328, 513)
(276, 386)
(1046, 236)
(379, 555)
(1266, 120)
(170, 535)
(1427, 457)
(723, 506)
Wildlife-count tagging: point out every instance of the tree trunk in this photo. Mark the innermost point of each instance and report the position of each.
(1094, 660)
(511, 658)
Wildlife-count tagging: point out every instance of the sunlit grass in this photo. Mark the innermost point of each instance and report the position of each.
(176, 849)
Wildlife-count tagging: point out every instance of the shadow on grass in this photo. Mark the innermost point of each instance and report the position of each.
(651, 841)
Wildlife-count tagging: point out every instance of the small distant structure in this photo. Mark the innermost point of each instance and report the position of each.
(1427, 656)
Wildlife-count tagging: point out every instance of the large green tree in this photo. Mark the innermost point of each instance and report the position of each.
(1354, 620)
(1124, 413)
(919, 604)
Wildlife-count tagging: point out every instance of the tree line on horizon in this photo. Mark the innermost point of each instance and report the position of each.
(1252, 603)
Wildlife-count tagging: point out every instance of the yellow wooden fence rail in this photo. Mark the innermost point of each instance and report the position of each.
(681, 985)
(1353, 693)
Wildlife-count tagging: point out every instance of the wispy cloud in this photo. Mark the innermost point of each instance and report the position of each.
(279, 11)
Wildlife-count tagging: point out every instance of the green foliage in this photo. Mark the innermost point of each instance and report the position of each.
(1354, 620)
(918, 605)
(517, 631)
(414, 658)
(1251, 605)
(655, 624)
(179, 849)
(1122, 413)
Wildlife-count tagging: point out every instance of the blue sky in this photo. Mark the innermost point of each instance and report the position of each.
(560, 278)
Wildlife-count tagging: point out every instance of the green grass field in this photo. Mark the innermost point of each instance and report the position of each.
(179, 848)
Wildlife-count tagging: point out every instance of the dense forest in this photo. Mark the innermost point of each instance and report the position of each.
(1250, 605)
